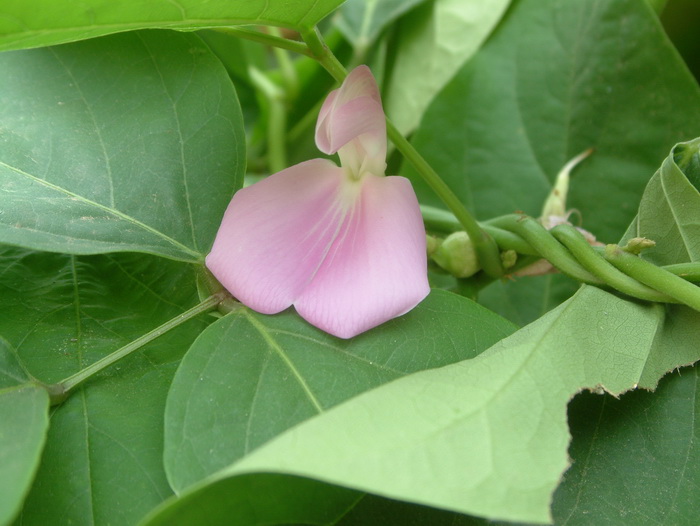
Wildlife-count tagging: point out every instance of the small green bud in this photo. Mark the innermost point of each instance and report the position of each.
(509, 258)
(457, 256)
(432, 244)
(637, 244)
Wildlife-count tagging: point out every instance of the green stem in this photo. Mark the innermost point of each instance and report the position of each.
(444, 221)
(265, 38)
(289, 74)
(653, 276)
(597, 265)
(687, 271)
(546, 246)
(486, 248)
(276, 120)
(321, 52)
(60, 391)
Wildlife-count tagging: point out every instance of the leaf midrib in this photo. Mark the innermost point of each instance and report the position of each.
(196, 256)
(272, 343)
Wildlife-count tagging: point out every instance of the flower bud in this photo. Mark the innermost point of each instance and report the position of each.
(457, 256)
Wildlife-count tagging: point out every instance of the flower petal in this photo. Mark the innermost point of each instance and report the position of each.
(276, 233)
(376, 268)
(351, 111)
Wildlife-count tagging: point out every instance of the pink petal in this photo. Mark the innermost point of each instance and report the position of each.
(352, 111)
(376, 268)
(276, 233)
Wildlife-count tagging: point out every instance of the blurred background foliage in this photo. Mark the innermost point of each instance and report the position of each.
(680, 19)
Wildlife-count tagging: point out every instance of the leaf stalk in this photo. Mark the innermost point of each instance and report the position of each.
(58, 392)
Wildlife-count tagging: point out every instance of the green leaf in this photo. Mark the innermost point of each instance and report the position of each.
(249, 377)
(669, 212)
(434, 41)
(32, 23)
(657, 5)
(258, 500)
(553, 80)
(102, 462)
(485, 436)
(377, 510)
(132, 142)
(361, 21)
(12, 373)
(636, 459)
(24, 419)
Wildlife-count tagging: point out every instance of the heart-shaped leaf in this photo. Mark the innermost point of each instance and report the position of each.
(249, 377)
(135, 143)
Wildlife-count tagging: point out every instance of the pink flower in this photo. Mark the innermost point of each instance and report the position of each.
(344, 245)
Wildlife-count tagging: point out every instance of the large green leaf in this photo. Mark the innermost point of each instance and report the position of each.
(558, 77)
(32, 23)
(102, 462)
(489, 436)
(132, 142)
(433, 43)
(486, 436)
(24, 418)
(249, 377)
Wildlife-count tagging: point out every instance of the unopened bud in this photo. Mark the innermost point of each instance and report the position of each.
(457, 256)
(555, 205)
(431, 244)
(637, 244)
(509, 258)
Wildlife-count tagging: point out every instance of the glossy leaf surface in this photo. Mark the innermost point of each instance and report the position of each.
(34, 23)
(135, 144)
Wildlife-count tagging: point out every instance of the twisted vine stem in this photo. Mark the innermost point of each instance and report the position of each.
(610, 267)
